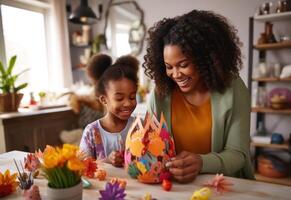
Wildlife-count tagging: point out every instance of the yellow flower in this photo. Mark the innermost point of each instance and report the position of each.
(141, 167)
(62, 160)
(69, 151)
(75, 164)
(52, 157)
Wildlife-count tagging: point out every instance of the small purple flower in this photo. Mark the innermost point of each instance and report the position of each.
(112, 192)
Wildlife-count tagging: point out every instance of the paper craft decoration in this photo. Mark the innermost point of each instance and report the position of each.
(202, 194)
(219, 183)
(32, 193)
(8, 183)
(112, 191)
(149, 146)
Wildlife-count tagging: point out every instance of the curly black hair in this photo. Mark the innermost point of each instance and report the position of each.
(206, 38)
(124, 67)
(96, 66)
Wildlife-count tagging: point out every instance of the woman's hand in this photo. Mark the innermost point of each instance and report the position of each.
(116, 158)
(185, 166)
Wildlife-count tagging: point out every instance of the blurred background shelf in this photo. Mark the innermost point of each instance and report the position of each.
(273, 146)
(270, 110)
(273, 17)
(279, 45)
(282, 181)
(272, 79)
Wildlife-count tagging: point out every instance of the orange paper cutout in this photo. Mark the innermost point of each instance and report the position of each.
(147, 178)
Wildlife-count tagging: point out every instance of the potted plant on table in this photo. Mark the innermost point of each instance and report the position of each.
(10, 97)
(63, 168)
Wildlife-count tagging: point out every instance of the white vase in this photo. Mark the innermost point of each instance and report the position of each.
(72, 193)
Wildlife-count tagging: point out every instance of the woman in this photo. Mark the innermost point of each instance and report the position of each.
(195, 60)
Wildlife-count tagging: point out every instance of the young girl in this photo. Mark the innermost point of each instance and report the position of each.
(117, 89)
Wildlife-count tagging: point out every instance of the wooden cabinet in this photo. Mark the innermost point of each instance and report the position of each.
(260, 111)
(34, 130)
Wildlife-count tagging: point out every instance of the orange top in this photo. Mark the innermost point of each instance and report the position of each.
(191, 125)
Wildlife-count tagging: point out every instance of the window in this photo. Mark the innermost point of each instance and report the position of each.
(122, 36)
(24, 36)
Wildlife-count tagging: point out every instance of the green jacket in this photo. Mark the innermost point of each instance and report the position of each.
(230, 145)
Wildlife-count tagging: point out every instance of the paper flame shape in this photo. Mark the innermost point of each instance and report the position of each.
(148, 147)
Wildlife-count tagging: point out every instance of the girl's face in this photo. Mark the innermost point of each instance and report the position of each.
(180, 69)
(120, 98)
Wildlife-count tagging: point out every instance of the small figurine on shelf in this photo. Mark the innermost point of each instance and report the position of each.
(262, 39)
(77, 38)
(266, 8)
(269, 33)
(261, 131)
(277, 138)
(32, 100)
(281, 7)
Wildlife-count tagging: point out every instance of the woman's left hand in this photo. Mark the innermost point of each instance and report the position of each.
(185, 166)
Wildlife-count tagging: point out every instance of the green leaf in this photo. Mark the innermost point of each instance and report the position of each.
(2, 70)
(11, 65)
(20, 87)
(25, 70)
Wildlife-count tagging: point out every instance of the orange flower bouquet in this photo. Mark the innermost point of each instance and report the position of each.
(62, 166)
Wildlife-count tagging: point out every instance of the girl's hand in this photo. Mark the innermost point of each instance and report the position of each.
(116, 158)
(185, 166)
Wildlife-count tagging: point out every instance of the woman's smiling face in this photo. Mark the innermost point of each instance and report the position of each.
(180, 69)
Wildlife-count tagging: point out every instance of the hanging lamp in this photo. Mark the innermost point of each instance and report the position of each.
(84, 14)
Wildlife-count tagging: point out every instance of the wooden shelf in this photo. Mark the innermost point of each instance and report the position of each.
(281, 181)
(270, 110)
(272, 79)
(278, 45)
(273, 17)
(272, 146)
(81, 45)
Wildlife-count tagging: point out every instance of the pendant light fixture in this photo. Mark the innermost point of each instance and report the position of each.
(84, 14)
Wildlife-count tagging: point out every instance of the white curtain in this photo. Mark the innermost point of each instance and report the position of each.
(60, 72)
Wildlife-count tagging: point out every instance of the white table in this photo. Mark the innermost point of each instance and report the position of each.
(242, 189)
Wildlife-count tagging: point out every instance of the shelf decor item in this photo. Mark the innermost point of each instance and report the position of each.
(10, 97)
(277, 138)
(269, 33)
(280, 98)
(272, 166)
(149, 146)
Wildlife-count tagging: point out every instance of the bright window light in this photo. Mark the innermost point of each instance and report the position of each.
(24, 36)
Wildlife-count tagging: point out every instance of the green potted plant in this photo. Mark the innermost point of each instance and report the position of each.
(10, 97)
